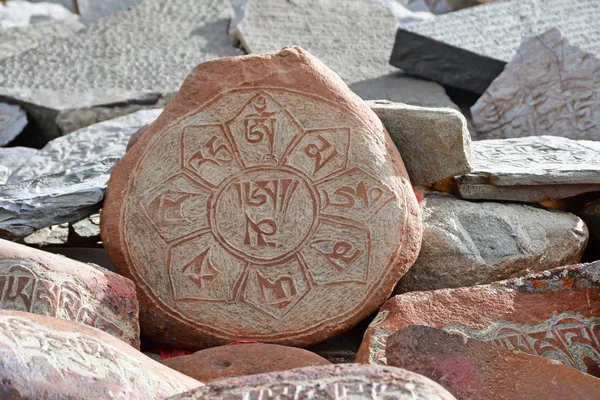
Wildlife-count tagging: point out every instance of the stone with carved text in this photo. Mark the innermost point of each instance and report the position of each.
(549, 88)
(472, 369)
(332, 382)
(281, 210)
(49, 358)
(239, 359)
(42, 283)
(553, 314)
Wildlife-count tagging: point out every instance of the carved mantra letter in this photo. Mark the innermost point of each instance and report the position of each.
(278, 293)
(341, 251)
(316, 152)
(350, 195)
(258, 230)
(261, 125)
(217, 152)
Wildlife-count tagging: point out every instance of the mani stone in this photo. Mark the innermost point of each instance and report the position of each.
(553, 314)
(131, 60)
(352, 37)
(330, 382)
(242, 359)
(12, 121)
(267, 202)
(47, 284)
(549, 88)
(472, 369)
(434, 143)
(467, 243)
(469, 48)
(49, 358)
(531, 169)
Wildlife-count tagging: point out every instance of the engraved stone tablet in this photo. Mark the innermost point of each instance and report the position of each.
(469, 48)
(266, 202)
(549, 88)
(533, 169)
(553, 314)
(472, 369)
(332, 382)
(48, 358)
(47, 284)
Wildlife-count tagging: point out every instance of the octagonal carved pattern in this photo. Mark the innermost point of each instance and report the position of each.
(260, 210)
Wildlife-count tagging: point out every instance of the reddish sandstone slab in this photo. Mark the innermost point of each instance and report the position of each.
(266, 202)
(553, 314)
(347, 381)
(472, 369)
(48, 284)
(49, 358)
(242, 359)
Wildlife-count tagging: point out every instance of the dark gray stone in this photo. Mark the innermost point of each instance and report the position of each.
(469, 48)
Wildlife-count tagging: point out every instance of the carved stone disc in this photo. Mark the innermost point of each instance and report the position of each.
(273, 209)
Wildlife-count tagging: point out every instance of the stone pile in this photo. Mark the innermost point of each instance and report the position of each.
(182, 220)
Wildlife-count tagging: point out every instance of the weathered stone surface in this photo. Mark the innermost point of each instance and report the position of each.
(68, 4)
(531, 169)
(17, 40)
(12, 121)
(442, 6)
(469, 48)
(173, 211)
(85, 231)
(17, 13)
(591, 215)
(363, 31)
(131, 60)
(95, 256)
(553, 314)
(11, 159)
(472, 369)
(48, 358)
(51, 235)
(325, 382)
(549, 88)
(242, 359)
(43, 283)
(467, 243)
(434, 142)
(91, 10)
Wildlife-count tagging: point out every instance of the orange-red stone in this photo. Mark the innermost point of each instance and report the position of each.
(267, 202)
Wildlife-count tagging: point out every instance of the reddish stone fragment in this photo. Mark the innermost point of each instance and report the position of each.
(49, 358)
(347, 381)
(242, 359)
(42, 283)
(472, 369)
(267, 202)
(553, 314)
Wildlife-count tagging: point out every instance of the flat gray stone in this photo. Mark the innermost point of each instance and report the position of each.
(12, 122)
(353, 38)
(69, 4)
(534, 168)
(549, 88)
(65, 181)
(11, 159)
(91, 10)
(468, 49)
(17, 13)
(434, 142)
(467, 243)
(131, 60)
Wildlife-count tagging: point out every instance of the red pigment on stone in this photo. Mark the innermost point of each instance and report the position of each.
(459, 373)
(166, 352)
(420, 196)
(243, 342)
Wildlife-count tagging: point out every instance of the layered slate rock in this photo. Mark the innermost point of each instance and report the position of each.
(467, 243)
(242, 359)
(469, 48)
(118, 65)
(266, 202)
(325, 382)
(472, 369)
(357, 49)
(549, 88)
(43, 357)
(553, 314)
(434, 143)
(12, 121)
(531, 169)
(43, 283)
(11, 159)
(65, 181)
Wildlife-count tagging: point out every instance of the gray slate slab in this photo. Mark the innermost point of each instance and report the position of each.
(352, 37)
(11, 159)
(534, 168)
(91, 10)
(16, 13)
(12, 121)
(434, 143)
(469, 48)
(130, 60)
(549, 88)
